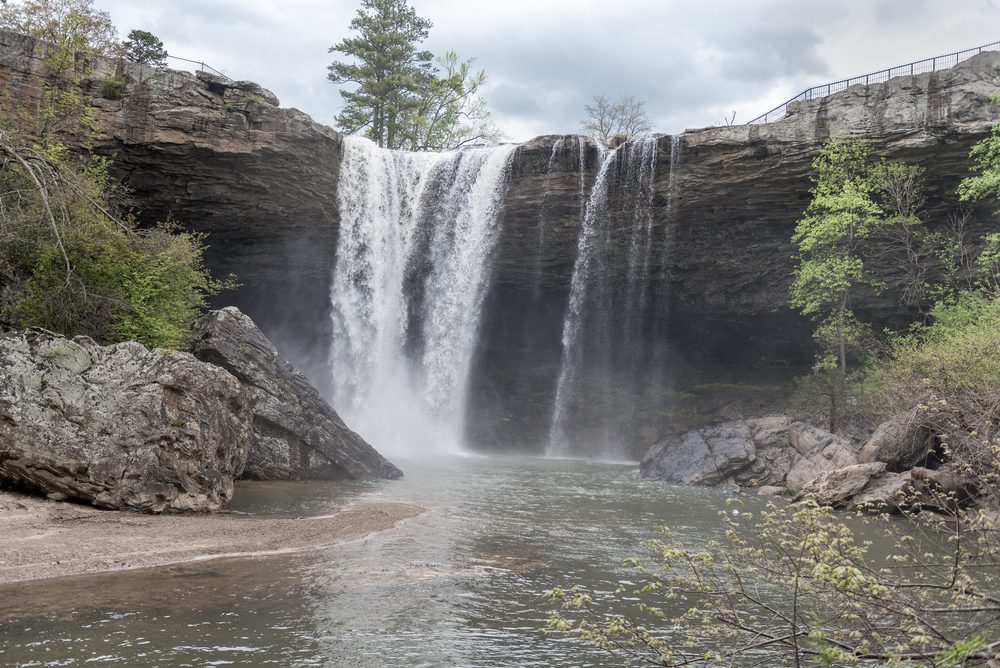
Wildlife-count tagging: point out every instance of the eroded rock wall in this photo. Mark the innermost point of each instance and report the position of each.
(261, 182)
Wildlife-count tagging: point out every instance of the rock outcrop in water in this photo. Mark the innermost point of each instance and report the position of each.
(120, 426)
(777, 455)
(295, 434)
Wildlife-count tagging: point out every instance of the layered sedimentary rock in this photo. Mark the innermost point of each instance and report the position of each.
(725, 203)
(120, 426)
(219, 157)
(261, 181)
(295, 434)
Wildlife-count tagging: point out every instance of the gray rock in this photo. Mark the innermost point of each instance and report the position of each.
(806, 438)
(771, 467)
(296, 434)
(119, 426)
(835, 488)
(775, 456)
(902, 442)
(702, 457)
(771, 431)
(836, 454)
(887, 492)
(943, 488)
(772, 491)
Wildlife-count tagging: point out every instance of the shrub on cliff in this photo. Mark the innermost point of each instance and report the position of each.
(69, 262)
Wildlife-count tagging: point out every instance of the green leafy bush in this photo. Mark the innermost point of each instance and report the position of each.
(112, 88)
(955, 359)
(68, 263)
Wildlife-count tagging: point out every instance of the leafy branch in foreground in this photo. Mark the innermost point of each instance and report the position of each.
(796, 587)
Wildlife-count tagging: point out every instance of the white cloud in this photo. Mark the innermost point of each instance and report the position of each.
(693, 62)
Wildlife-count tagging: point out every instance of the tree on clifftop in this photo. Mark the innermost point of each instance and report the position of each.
(145, 48)
(72, 30)
(607, 119)
(401, 97)
(388, 67)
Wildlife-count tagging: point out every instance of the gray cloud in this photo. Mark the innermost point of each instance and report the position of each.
(692, 62)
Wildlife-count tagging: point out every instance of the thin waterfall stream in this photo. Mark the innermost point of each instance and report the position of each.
(605, 346)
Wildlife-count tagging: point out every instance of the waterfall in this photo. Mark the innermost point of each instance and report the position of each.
(638, 182)
(559, 442)
(675, 161)
(606, 349)
(417, 231)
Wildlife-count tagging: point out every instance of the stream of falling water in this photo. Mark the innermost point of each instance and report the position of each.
(604, 340)
(559, 440)
(416, 233)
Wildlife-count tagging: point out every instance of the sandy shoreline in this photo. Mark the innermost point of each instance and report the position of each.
(47, 539)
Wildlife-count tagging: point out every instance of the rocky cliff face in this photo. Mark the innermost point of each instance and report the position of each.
(725, 201)
(261, 181)
(222, 158)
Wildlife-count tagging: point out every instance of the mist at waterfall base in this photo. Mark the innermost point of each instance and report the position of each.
(417, 245)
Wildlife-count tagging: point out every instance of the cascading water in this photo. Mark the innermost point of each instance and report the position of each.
(638, 182)
(559, 441)
(416, 234)
(606, 351)
(675, 161)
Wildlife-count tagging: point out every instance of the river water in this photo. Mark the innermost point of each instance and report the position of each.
(459, 585)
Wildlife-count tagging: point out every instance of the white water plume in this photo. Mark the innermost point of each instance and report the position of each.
(417, 231)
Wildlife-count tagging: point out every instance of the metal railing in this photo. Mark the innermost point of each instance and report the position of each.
(916, 67)
(201, 66)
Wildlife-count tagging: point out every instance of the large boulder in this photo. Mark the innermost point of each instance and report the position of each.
(296, 434)
(806, 438)
(775, 456)
(835, 454)
(868, 487)
(835, 488)
(120, 426)
(902, 442)
(943, 488)
(706, 456)
(887, 492)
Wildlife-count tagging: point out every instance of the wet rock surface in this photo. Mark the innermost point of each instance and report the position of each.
(119, 427)
(295, 433)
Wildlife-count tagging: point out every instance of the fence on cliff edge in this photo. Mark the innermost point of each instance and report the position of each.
(917, 67)
(201, 66)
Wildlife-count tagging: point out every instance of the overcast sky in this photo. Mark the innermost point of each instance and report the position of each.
(693, 62)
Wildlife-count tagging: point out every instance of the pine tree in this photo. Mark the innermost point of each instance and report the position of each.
(145, 48)
(388, 68)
